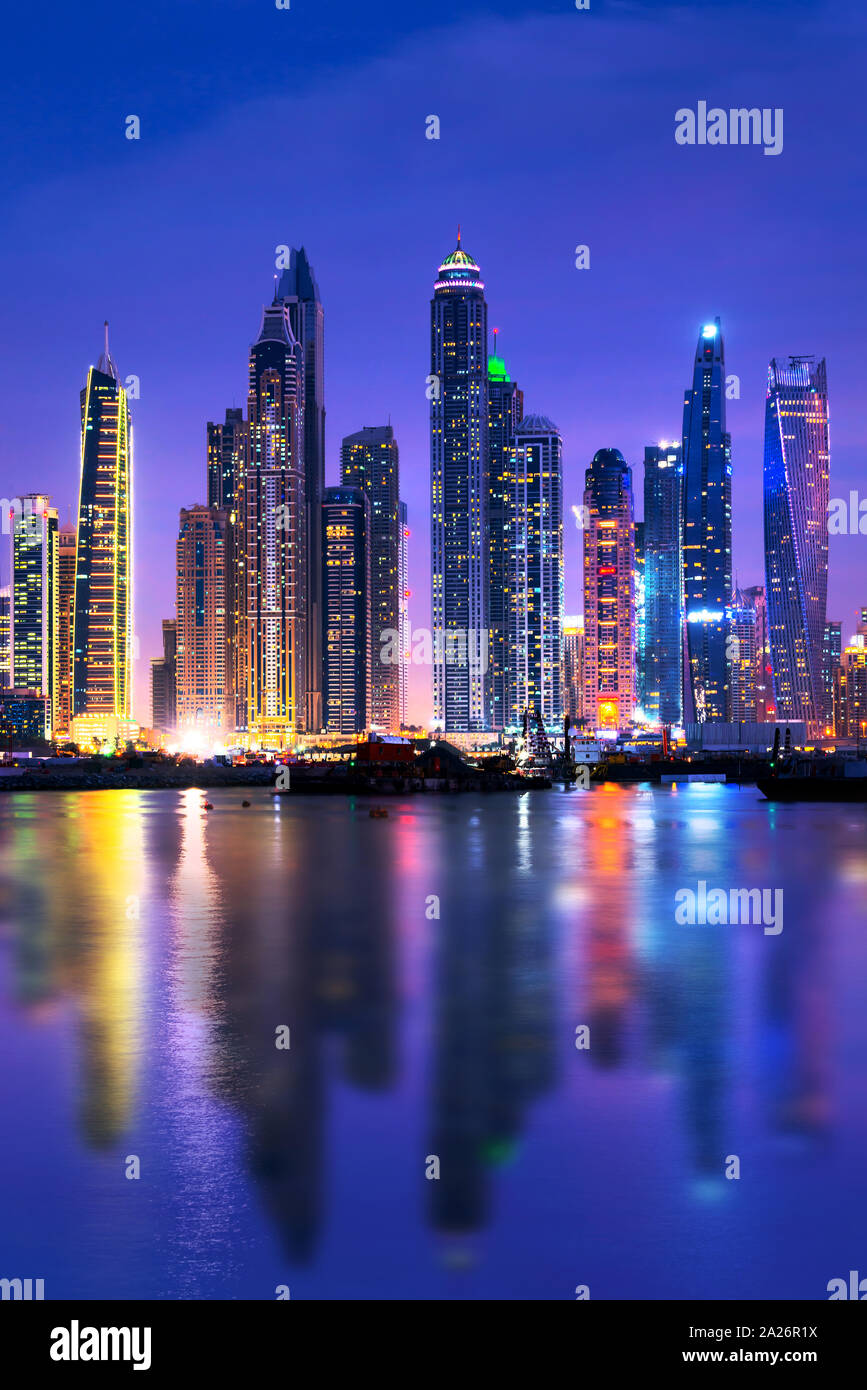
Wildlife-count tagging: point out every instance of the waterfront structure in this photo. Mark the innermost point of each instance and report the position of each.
(299, 294)
(369, 459)
(102, 614)
(164, 681)
(33, 610)
(609, 592)
(5, 650)
(707, 531)
(458, 391)
(832, 650)
(796, 496)
(505, 412)
(742, 662)
(403, 613)
(535, 656)
(347, 610)
(754, 597)
(204, 660)
(663, 583)
(66, 561)
(271, 544)
(573, 668)
(227, 445)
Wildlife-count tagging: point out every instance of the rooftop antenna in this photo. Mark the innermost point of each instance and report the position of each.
(459, 234)
(105, 325)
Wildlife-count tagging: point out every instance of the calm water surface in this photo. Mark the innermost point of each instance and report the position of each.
(150, 950)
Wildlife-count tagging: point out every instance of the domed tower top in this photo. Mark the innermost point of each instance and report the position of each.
(459, 271)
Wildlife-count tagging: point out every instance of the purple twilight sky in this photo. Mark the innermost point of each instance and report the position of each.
(263, 127)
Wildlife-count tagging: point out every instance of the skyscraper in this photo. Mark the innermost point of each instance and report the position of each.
(5, 652)
(205, 667)
(164, 681)
(851, 688)
(272, 517)
(640, 622)
(505, 411)
(609, 592)
(33, 613)
(226, 452)
(796, 494)
(458, 390)
(369, 460)
(66, 559)
(102, 623)
(347, 610)
(754, 597)
(742, 662)
(663, 583)
(403, 617)
(832, 650)
(535, 667)
(573, 668)
(299, 292)
(707, 530)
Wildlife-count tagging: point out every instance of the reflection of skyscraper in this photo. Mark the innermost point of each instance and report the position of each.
(505, 411)
(707, 529)
(33, 620)
(369, 460)
(102, 623)
(67, 546)
(346, 609)
(796, 490)
(535, 670)
(663, 583)
(204, 671)
(458, 391)
(299, 292)
(609, 592)
(272, 545)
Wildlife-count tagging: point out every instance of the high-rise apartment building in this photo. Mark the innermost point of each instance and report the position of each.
(573, 668)
(33, 609)
(663, 583)
(505, 412)
(535, 664)
(66, 563)
(164, 681)
(204, 669)
(347, 609)
(609, 592)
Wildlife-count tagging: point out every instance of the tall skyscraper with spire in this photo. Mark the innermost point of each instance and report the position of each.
(609, 592)
(458, 392)
(707, 531)
(505, 412)
(298, 291)
(272, 545)
(102, 610)
(796, 495)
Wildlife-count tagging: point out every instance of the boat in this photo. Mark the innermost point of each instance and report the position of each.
(816, 779)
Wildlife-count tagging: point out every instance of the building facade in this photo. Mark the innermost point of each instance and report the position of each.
(505, 412)
(66, 561)
(832, 651)
(33, 610)
(271, 569)
(754, 597)
(5, 649)
(164, 681)
(663, 583)
(707, 531)
(403, 616)
(458, 391)
(796, 496)
(204, 658)
(535, 664)
(369, 459)
(609, 592)
(227, 445)
(102, 615)
(573, 668)
(742, 663)
(347, 610)
(299, 293)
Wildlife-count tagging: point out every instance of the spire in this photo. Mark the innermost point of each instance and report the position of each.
(105, 363)
(459, 234)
